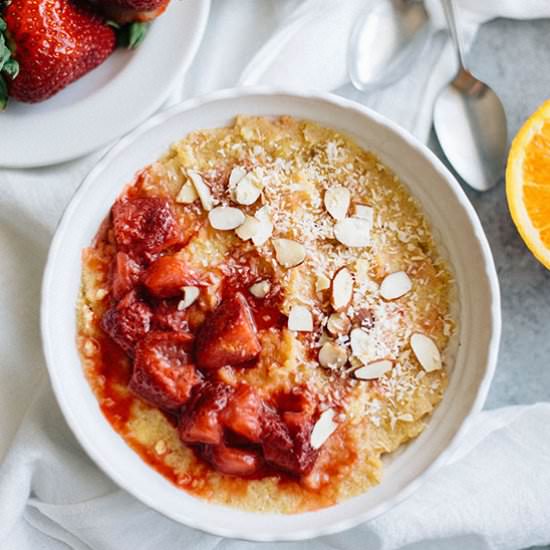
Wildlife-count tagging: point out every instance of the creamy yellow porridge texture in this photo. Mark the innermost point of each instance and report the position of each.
(300, 169)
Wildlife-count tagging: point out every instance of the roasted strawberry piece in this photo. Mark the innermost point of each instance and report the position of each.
(127, 322)
(167, 316)
(300, 426)
(199, 420)
(228, 336)
(243, 414)
(54, 43)
(163, 373)
(286, 442)
(299, 399)
(125, 275)
(166, 276)
(232, 461)
(145, 226)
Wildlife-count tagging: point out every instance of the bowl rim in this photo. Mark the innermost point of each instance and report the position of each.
(488, 264)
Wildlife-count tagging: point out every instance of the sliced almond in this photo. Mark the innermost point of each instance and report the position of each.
(260, 289)
(225, 218)
(323, 429)
(237, 174)
(426, 352)
(190, 294)
(360, 342)
(300, 319)
(395, 285)
(203, 191)
(246, 191)
(322, 283)
(338, 324)
(266, 227)
(249, 228)
(341, 289)
(332, 356)
(337, 201)
(187, 194)
(373, 370)
(363, 211)
(353, 232)
(289, 253)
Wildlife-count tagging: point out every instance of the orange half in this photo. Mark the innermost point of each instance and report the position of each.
(528, 183)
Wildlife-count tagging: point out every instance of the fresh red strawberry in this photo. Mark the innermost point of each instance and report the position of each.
(243, 414)
(166, 277)
(232, 461)
(127, 11)
(126, 274)
(127, 322)
(199, 420)
(228, 336)
(55, 42)
(163, 374)
(145, 226)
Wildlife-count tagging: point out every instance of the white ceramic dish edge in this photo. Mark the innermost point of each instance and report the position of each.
(305, 531)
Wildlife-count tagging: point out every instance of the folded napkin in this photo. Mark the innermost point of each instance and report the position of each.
(496, 492)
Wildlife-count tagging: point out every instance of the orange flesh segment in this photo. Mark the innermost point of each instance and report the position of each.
(536, 166)
(536, 190)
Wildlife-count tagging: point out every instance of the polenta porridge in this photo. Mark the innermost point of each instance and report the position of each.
(265, 314)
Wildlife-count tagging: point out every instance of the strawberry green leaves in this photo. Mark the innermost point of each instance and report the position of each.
(11, 68)
(136, 34)
(131, 35)
(3, 93)
(8, 66)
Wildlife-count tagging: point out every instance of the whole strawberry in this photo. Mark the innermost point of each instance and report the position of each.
(129, 11)
(53, 42)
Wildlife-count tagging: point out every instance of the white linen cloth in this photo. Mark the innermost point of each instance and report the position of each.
(495, 494)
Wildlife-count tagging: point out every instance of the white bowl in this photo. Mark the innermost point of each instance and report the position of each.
(453, 220)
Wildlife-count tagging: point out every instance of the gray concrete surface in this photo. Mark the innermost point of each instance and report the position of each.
(513, 58)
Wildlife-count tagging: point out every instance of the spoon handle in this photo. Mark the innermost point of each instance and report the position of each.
(450, 15)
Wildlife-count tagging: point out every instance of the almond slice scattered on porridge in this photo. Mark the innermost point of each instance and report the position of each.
(395, 285)
(300, 319)
(289, 253)
(341, 289)
(373, 370)
(225, 218)
(202, 190)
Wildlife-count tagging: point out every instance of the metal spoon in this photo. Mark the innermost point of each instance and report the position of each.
(470, 121)
(386, 41)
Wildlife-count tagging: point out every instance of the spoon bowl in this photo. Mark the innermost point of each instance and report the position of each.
(386, 41)
(470, 122)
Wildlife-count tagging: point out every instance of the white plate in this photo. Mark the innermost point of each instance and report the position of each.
(454, 221)
(109, 101)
